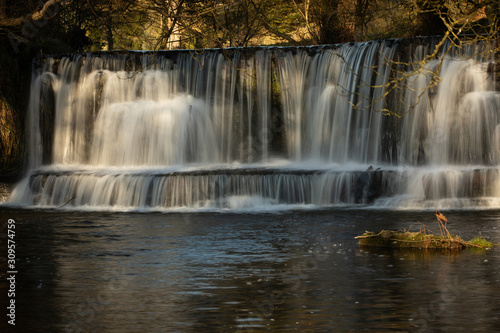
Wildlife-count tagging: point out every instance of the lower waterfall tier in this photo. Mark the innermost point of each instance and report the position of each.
(258, 187)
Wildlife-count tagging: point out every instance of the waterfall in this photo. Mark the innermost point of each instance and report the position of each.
(263, 127)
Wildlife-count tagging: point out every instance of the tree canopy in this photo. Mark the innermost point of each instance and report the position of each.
(83, 25)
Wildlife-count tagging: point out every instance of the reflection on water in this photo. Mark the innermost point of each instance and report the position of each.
(228, 272)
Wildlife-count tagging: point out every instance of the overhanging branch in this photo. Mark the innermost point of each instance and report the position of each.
(45, 12)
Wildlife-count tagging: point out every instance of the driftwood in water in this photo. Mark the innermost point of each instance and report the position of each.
(406, 239)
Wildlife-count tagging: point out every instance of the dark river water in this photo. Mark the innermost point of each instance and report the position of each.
(288, 271)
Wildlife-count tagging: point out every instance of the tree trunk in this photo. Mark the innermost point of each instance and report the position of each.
(109, 38)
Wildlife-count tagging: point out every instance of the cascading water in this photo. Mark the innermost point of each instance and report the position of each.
(263, 127)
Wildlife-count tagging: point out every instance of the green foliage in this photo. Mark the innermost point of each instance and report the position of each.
(481, 242)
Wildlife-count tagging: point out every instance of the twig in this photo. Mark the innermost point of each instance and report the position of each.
(67, 202)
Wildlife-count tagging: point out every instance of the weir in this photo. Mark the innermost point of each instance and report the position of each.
(257, 128)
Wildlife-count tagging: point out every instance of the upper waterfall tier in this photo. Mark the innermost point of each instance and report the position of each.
(221, 106)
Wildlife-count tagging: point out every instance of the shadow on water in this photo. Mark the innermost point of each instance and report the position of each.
(228, 272)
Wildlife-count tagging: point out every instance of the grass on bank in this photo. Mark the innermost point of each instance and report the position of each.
(425, 238)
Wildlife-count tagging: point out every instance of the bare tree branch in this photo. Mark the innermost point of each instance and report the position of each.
(38, 15)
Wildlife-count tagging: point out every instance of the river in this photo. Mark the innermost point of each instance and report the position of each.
(282, 271)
